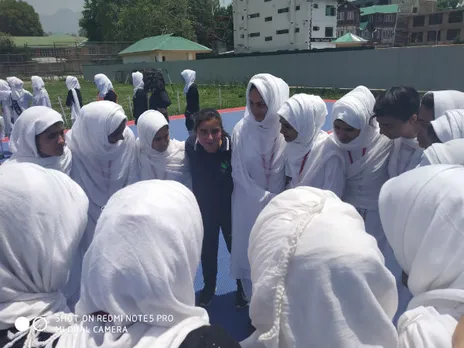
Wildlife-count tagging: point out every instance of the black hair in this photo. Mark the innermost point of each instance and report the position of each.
(428, 101)
(252, 87)
(208, 114)
(153, 81)
(400, 102)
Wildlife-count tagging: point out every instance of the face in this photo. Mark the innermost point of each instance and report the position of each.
(209, 135)
(257, 105)
(289, 133)
(161, 140)
(425, 116)
(394, 128)
(345, 133)
(117, 135)
(427, 137)
(51, 142)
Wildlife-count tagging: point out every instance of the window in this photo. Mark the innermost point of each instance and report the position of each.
(417, 37)
(268, 38)
(387, 33)
(389, 18)
(329, 31)
(418, 21)
(268, 19)
(283, 31)
(267, 0)
(92, 50)
(254, 15)
(316, 28)
(453, 34)
(341, 16)
(330, 10)
(253, 34)
(315, 6)
(297, 30)
(433, 36)
(297, 7)
(455, 17)
(435, 19)
(242, 36)
(350, 15)
(283, 10)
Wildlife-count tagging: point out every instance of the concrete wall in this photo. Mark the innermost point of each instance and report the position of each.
(425, 68)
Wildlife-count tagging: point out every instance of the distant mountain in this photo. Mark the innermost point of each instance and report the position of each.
(64, 21)
(49, 7)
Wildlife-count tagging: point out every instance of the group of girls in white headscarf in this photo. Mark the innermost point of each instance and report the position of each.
(317, 231)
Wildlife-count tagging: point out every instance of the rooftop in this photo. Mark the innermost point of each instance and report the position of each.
(349, 37)
(48, 41)
(164, 43)
(365, 11)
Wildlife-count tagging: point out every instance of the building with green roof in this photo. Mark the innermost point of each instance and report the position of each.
(162, 48)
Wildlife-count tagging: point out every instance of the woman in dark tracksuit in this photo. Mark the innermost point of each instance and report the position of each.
(209, 152)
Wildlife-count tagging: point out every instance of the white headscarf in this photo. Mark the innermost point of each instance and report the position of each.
(137, 81)
(447, 100)
(168, 165)
(35, 121)
(103, 84)
(319, 279)
(143, 261)
(451, 152)
(42, 223)
(40, 93)
(5, 95)
(17, 87)
(72, 83)
(356, 109)
(306, 114)
(5, 91)
(422, 213)
(449, 126)
(189, 77)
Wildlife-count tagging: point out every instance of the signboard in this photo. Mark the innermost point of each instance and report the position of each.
(322, 39)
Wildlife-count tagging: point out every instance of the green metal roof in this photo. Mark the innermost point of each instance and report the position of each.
(349, 37)
(164, 43)
(363, 25)
(48, 41)
(378, 9)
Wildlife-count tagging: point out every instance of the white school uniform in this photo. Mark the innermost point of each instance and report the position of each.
(451, 152)
(5, 102)
(23, 97)
(72, 83)
(40, 97)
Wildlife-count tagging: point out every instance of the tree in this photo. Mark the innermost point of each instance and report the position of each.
(99, 19)
(19, 19)
(202, 16)
(6, 44)
(446, 4)
(224, 23)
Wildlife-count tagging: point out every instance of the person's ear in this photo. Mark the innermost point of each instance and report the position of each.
(413, 119)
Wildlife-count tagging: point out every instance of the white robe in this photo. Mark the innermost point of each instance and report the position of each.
(311, 160)
(23, 97)
(189, 77)
(72, 83)
(319, 279)
(40, 229)
(171, 164)
(143, 261)
(258, 168)
(422, 215)
(40, 97)
(103, 84)
(137, 81)
(99, 167)
(5, 102)
(33, 122)
(451, 152)
(405, 155)
(449, 126)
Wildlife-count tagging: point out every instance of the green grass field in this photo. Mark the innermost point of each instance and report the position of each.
(219, 97)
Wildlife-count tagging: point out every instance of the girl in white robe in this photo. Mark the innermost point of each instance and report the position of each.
(41, 97)
(99, 166)
(5, 103)
(170, 164)
(105, 88)
(422, 215)
(319, 280)
(21, 99)
(72, 83)
(24, 144)
(41, 227)
(451, 152)
(142, 263)
(312, 158)
(258, 165)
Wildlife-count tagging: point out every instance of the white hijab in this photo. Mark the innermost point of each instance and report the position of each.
(364, 178)
(319, 279)
(103, 84)
(449, 126)
(422, 213)
(17, 87)
(306, 114)
(189, 77)
(40, 93)
(5, 91)
(5, 95)
(137, 81)
(42, 222)
(447, 100)
(143, 261)
(33, 122)
(451, 152)
(72, 83)
(168, 165)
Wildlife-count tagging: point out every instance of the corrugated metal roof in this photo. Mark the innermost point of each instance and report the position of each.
(349, 37)
(379, 9)
(164, 43)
